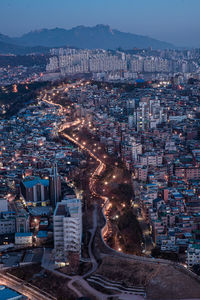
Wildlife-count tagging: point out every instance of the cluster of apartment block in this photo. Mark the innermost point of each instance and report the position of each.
(72, 61)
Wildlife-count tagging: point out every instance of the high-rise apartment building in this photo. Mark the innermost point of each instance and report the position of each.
(67, 225)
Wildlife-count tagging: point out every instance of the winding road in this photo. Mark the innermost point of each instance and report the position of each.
(100, 169)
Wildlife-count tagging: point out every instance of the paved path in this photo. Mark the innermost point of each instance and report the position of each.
(86, 289)
(93, 231)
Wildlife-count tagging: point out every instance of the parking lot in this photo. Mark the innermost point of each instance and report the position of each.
(13, 259)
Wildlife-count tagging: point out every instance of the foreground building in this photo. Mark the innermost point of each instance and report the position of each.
(67, 225)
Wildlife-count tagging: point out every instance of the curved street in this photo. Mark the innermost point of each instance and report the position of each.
(92, 181)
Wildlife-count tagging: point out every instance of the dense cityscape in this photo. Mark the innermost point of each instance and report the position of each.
(99, 163)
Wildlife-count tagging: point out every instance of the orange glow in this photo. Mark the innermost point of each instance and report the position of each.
(15, 90)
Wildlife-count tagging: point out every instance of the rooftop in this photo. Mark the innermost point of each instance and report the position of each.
(20, 234)
(31, 181)
(62, 210)
(8, 294)
(42, 234)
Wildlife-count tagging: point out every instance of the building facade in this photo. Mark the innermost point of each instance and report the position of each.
(67, 224)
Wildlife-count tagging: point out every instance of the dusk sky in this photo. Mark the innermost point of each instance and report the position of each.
(175, 21)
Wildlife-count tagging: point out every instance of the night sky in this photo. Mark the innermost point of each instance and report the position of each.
(176, 21)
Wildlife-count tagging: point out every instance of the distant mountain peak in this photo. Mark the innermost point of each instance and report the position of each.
(104, 28)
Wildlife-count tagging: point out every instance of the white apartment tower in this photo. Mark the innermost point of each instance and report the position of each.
(67, 225)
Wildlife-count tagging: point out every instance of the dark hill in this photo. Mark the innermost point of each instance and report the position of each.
(99, 36)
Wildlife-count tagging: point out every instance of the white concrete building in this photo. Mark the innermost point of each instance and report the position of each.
(7, 225)
(136, 149)
(67, 224)
(150, 158)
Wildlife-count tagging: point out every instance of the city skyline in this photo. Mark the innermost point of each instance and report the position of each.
(175, 21)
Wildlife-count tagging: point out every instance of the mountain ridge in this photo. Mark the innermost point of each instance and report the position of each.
(99, 36)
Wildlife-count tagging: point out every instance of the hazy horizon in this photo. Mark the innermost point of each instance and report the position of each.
(176, 21)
